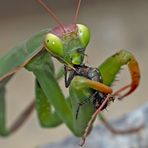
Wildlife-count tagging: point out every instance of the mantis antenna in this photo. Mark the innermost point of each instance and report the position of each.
(77, 12)
(51, 13)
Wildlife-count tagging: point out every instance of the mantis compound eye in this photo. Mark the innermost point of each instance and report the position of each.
(54, 44)
(84, 34)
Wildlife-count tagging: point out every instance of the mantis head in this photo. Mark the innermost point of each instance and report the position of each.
(67, 43)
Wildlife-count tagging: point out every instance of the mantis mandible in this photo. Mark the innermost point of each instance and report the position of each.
(89, 88)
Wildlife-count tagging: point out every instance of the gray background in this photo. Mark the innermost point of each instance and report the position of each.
(114, 24)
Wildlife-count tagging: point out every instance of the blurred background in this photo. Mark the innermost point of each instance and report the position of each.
(114, 24)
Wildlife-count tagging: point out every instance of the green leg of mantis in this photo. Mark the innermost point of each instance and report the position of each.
(47, 116)
(112, 66)
(40, 66)
(78, 92)
(46, 113)
(4, 131)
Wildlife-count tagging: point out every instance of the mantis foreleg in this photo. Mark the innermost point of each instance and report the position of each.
(47, 116)
(111, 67)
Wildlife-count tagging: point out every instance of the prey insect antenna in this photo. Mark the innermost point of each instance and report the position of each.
(51, 13)
(77, 12)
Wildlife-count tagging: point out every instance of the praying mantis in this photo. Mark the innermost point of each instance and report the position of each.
(89, 88)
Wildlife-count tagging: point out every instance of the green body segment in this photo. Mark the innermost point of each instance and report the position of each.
(21, 53)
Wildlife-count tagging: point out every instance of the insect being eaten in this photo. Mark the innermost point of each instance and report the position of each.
(90, 89)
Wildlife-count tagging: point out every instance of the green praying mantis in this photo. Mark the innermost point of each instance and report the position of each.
(89, 88)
